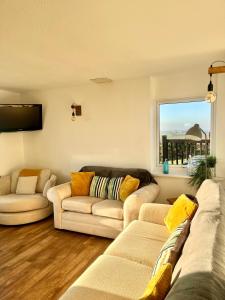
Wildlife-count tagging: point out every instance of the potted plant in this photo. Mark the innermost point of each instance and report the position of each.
(204, 170)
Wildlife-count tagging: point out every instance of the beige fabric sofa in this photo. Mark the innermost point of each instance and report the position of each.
(92, 215)
(123, 271)
(22, 209)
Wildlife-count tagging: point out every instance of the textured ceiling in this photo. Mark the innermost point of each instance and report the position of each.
(48, 43)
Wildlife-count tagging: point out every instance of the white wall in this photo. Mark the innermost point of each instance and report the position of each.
(11, 144)
(220, 125)
(113, 130)
(189, 85)
(117, 127)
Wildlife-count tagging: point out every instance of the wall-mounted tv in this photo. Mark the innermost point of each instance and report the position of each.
(20, 117)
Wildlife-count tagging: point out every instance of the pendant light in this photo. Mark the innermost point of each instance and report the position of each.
(211, 95)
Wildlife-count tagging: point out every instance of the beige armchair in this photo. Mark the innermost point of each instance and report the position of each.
(96, 216)
(16, 209)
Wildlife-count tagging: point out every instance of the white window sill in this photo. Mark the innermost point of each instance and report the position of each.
(171, 175)
(179, 173)
(174, 172)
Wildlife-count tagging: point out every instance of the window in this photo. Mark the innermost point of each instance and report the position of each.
(175, 119)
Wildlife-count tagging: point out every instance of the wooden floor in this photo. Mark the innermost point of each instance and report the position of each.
(38, 262)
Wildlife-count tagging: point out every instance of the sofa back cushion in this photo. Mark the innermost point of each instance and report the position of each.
(142, 174)
(200, 271)
(5, 185)
(42, 179)
(208, 197)
(14, 179)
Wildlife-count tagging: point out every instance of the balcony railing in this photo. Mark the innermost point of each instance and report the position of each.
(177, 151)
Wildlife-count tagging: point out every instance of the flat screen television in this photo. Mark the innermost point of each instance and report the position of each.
(20, 117)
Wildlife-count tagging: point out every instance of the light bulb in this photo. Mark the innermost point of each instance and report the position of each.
(210, 97)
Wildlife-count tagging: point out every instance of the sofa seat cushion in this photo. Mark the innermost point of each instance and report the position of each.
(21, 203)
(82, 204)
(135, 248)
(148, 230)
(111, 278)
(108, 208)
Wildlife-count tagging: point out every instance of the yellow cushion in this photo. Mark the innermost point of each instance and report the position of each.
(159, 284)
(182, 209)
(128, 186)
(30, 172)
(80, 183)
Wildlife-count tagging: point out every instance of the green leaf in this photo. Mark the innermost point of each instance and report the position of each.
(201, 173)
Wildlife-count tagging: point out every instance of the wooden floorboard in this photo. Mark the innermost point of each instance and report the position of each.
(39, 262)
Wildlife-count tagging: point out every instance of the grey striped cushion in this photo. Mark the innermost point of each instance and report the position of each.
(114, 188)
(168, 247)
(99, 187)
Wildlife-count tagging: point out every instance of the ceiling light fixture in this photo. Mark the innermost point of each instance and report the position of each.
(211, 95)
(101, 80)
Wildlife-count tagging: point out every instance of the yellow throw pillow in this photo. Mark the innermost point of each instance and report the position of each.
(159, 285)
(182, 209)
(128, 186)
(81, 182)
(30, 172)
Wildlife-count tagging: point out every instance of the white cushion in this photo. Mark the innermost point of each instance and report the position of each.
(110, 278)
(109, 208)
(82, 204)
(21, 203)
(148, 230)
(50, 183)
(42, 179)
(26, 185)
(14, 180)
(208, 197)
(136, 248)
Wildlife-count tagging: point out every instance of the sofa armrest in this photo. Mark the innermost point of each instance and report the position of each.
(59, 192)
(154, 212)
(56, 195)
(49, 184)
(134, 202)
(5, 185)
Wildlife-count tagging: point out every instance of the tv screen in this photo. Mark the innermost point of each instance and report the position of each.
(20, 117)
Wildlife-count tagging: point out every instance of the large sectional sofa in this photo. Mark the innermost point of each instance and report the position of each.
(96, 216)
(123, 271)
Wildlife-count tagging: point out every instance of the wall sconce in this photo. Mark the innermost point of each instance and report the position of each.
(76, 111)
(211, 95)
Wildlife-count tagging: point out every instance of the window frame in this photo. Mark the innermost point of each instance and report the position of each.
(179, 169)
